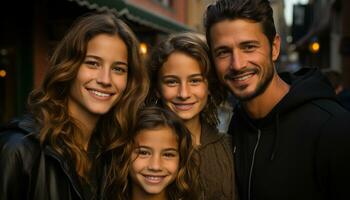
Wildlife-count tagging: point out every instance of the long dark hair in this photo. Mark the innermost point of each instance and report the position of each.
(49, 103)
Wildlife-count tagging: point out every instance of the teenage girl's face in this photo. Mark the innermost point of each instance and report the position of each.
(101, 78)
(155, 162)
(182, 86)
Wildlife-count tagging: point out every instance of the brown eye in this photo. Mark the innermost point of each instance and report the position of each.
(222, 53)
(119, 70)
(143, 152)
(171, 82)
(91, 63)
(196, 81)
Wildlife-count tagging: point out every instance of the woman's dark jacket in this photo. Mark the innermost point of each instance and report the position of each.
(300, 150)
(31, 171)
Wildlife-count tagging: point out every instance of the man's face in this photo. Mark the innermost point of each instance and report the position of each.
(243, 57)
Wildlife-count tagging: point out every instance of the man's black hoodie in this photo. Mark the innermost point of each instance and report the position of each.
(300, 150)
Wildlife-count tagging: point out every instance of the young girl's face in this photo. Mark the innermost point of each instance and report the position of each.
(101, 78)
(155, 161)
(183, 87)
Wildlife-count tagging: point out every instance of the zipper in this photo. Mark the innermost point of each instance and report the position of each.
(252, 164)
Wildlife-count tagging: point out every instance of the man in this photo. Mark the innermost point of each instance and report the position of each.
(291, 139)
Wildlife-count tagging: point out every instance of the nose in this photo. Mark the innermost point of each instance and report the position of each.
(154, 163)
(237, 61)
(184, 91)
(104, 76)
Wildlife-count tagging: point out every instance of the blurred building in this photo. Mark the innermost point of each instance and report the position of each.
(321, 35)
(195, 11)
(282, 30)
(27, 42)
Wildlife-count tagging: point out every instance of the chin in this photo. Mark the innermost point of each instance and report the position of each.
(186, 117)
(99, 111)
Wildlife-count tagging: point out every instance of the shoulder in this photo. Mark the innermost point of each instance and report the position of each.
(337, 116)
(17, 141)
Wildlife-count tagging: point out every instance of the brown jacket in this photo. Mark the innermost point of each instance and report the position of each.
(216, 169)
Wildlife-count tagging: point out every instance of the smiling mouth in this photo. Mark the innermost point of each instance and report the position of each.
(184, 107)
(243, 77)
(99, 93)
(240, 76)
(153, 179)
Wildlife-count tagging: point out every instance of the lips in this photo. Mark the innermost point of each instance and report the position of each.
(183, 106)
(241, 76)
(100, 94)
(153, 179)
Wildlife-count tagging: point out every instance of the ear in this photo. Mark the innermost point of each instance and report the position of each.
(276, 46)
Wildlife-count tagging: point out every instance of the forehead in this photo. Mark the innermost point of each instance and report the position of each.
(237, 30)
(180, 63)
(162, 136)
(109, 46)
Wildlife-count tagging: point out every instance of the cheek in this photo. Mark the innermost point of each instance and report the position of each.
(120, 82)
(136, 165)
(168, 93)
(221, 67)
(202, 92)
(173, 166)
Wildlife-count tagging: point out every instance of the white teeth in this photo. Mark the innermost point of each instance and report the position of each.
(153, 178)
(244, 77)
(100, 94)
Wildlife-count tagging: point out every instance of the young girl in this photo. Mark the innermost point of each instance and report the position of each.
(163, 164)
(182, 81)
(64, 149)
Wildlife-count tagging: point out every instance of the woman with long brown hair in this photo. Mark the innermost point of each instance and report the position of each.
(67, 146)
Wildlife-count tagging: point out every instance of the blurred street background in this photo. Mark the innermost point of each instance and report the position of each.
(315, 33)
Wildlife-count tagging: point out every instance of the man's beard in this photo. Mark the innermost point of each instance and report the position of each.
(261, 85)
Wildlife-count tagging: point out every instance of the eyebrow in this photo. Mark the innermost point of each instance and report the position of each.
(249, 42)
(149, 148)
(100, 59)
(222, 47)
(173, 76)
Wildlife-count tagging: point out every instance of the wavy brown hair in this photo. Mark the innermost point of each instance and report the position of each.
(186, 183)
(49, 103)
(195, 46)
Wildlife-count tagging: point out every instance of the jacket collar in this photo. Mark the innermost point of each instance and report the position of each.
(68, 169)
(209, 134)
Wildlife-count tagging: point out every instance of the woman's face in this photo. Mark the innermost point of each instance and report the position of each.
(101, 78)
(182, 86)
(155, 162)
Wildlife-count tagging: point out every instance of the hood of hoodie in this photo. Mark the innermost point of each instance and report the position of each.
(306, 85)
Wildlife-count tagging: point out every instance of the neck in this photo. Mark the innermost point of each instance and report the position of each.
(194, 126)
(261, 106)
(86, 123)
(88, 126)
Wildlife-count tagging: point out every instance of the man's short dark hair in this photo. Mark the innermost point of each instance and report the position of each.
(255, 10)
